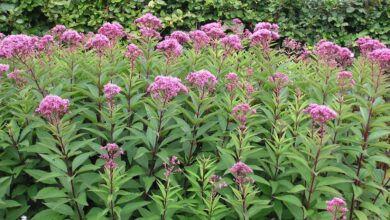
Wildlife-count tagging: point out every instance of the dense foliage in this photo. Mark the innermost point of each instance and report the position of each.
(305, 20)
(200, 125)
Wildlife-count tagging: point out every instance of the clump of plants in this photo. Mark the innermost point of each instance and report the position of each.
(217, 123)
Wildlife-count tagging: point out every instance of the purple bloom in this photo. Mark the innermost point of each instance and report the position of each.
(263, 38)
(337, 208)
(58, 30)
(232, 81)
(268, 26)
(344, 79)
(180, 36)
(171, 166)
(200, 39)
(320, 113)
(382, 57)
(133, 52)
(43, 42)
(112, 152)
(4, 68)
(279, 79)
(71, 37)
(113, 31)
(203, 80)
(19, 46)
(110, 90)
(165, 88)
(240, 172)
(231, 43)
(367, 44)
(98, 42)
(171, 48)
(17, 77)
(241, 113)
(53, 107)
(214, 30)
(148, 21)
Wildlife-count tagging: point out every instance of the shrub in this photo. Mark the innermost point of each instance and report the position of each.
(305, 20)
(219, 124)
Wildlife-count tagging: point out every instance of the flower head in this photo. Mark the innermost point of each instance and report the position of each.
(99, 42)
(231, 43)
(111, 152)
(53, 107)
(19, 45)
(232, 81)
(280, 80)
(58, 30)
(111, 90)
(345, 79)
(203, 80)
(332, 54)
(113, 30)
(4, 68)
(200, 39)
(165, 88)
(172, 166)
(149, 33)
(320, 113)
(382, 57)
(241, 171)
(214, 30)
(263, 38)
(367, 44)
(180, 36)
(43, 42)
(267, 26)
(171, 48)
(133, 52)
(291, 44)
(241, 113)
(148, 21)
(17, 77)
(71, 37)
(337, 206)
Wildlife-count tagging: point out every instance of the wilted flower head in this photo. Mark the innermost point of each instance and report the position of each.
(171, 48)
(4, 68)
(216, 184)
(241, 113)
(99, 42)
(382, 57)
(320, 113)
(133, 52)
(171, 166)
(200, 39)
(113, 30)
(291, 44)
(19, 45)
(367, 44)
(53, 107)
(203, 80)
(280, 80)
(111, 152)
(232, 81)
(180, 36)
(71, 37)
(214, 30)
(344, 79)
(231, 43)
(337, 207)
(165, 88)
(240, 172)
(148, 21)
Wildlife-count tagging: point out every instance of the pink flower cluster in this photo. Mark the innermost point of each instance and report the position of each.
(337, 207)
(19, 46)
(367, 44)
(165, 88)
(241, 112)
(53, 107)
(333, 55)
(268, 26)
(43, 42)
(148, 21)
(291, 44)
(248, 88)
(99, 42)
(200, 39)
(214, 30)
(172, 166)
(150, 33)
(203, 80)
(344, 79)
(171, 48)
(320, 113)
(58, 30)
(112, 151)
(113, 31)
(232, 81)
(263, 34)
(238, 27)
(180, 36)
(240, 172)
(382, 57)
(231, 43)
(133, 52)
(17, 77)
(280, 80)
(216, 184)
(71, 37)
(110, 91)
(4, 68)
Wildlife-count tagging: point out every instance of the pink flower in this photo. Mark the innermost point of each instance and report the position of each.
(382, 57)
(148, 21)
(263, 38)
(203, 80)
(2, 36)
(172, 166)
(280, 80)
(232, 81)
(4, 68)
(44, 42)
(231, 43)
(58, 30)
(291, 44)
(98, 42)
(180, 36)
(367, 44)
(337, 208)
(53, 107)
(113, 31)
(249, 89)
(165, 88)
(345, 57)
(71, 37)
(111, 90)
(267, 26)
(171, 48)
(216, 183)
(241, 171)
(200, 39)
(20, 46)
(320, 113)
(241, 113)
(133, 52)
(214, 30)
(17, 77)
(332, 54)
(112, 152)
(149, 33)
(344, 79)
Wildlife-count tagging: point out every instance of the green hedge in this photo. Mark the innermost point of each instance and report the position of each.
(308, 20)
